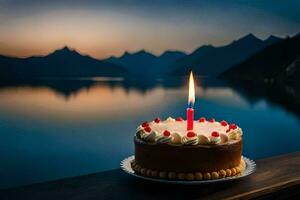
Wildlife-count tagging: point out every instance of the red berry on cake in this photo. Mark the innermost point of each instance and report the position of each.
(215, 134)
(232, 126)
(145, 124)
(202, 119)
(224, 123)
(191, 134)
(157, 120)
(212, 120)
(147, 129)
(179, 119)
(167, 133)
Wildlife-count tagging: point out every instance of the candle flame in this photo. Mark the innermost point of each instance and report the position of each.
(191, 99)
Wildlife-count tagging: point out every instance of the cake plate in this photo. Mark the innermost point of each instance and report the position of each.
(250, 168)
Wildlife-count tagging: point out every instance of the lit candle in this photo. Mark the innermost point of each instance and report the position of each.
(191, 101)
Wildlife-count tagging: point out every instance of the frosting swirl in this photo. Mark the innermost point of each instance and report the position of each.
(150, 137)
(189, 140)
(139, 128)
(202, 139)
(176, 138)
(224, 138)
(170, 119)
(235, 134)
(164, 140)
(215, 140)
(239, 131)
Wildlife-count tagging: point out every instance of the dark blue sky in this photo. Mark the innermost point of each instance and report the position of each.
(104, 28)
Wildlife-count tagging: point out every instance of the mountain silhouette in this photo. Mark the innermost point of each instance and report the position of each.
(64, 62)
(272, 40)
(211, 61)
(67, 62)
(143, 63)
(279, 61)
(171, 56)
(272, 73)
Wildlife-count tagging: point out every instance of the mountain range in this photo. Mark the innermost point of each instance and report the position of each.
(143, 63)
(211, 61)
(63, 62)
(272, 73)
(66, 62)
(206, 60)
(277, 62)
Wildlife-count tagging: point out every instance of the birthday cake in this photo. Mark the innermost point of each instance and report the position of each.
(167, 150)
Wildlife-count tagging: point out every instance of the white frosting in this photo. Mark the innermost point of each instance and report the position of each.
(178, 131)
(233, 134)
(215, 140)
(239, 131)
(189, 140)
(224, 138)
(203, 139)
(170, 119)
(176, 138)
(151, 137)
(139, 128)
(164, 139)
(203, 128)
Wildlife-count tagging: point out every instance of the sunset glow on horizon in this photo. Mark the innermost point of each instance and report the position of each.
(105, 29)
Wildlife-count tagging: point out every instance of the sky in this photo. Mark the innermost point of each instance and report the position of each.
(105, 28)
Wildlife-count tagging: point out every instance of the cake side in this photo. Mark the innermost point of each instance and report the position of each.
(203, 158)
(190, 176)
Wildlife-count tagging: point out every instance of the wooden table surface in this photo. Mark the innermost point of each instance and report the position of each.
(275, 177)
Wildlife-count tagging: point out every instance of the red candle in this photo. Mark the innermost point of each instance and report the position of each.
(190, 118)
(191, 101)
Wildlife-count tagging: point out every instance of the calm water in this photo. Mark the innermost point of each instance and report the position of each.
(61, 128)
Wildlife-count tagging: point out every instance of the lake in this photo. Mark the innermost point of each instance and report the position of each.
(55, 128)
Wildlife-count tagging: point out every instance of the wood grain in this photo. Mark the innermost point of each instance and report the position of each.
(275, 177)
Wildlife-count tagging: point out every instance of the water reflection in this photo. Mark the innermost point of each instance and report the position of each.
(56, 128)
(85, 104)
(284, 94)
(106, 100)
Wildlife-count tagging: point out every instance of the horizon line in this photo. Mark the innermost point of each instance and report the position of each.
(148, 51)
